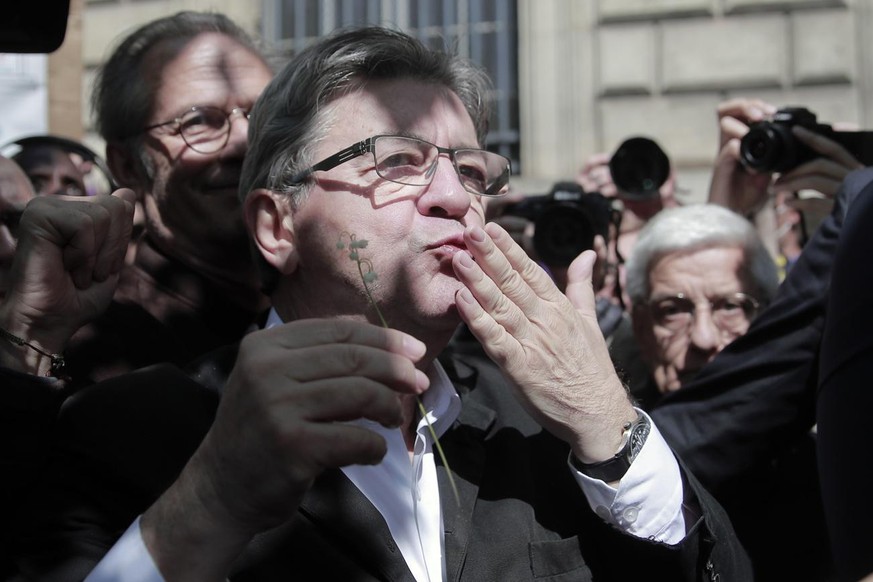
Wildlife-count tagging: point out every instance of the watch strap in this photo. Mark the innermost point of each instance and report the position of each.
(634, 435)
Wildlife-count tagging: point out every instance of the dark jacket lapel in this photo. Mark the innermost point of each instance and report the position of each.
(465, 449)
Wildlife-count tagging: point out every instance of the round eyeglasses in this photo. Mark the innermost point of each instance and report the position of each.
(204, 129)
(731, 313)
(412, 161)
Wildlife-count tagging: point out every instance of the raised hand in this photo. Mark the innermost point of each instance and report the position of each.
(548, 344)
(70, 251)
(732, 185)
(823, 174)
(280, 423)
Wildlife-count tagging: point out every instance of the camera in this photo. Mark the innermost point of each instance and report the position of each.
(770, 146)
(565, 221)
(639, 167)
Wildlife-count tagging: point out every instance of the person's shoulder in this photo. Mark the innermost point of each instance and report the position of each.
(150, 420)
(159, 387)
(858, 180)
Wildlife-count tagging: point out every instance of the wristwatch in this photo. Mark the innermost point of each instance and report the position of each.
(633, 438)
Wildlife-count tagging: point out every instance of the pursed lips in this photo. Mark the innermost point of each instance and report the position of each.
(449, 245)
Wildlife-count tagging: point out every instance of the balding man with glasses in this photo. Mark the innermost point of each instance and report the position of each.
(172, 103)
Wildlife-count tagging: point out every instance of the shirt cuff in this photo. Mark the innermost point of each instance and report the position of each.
(127, 561)
(648, 501)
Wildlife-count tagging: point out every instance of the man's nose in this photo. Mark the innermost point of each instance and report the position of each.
(445, 195)
(705, 334)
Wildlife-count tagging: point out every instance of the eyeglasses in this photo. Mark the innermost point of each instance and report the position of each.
(731, 314)
(412, 161)
(204, 129)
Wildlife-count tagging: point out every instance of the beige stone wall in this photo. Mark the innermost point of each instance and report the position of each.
(593, 72)
(65, 79)
(597, 71)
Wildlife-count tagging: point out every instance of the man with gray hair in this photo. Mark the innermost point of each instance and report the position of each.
(335, 444)
(697, 277)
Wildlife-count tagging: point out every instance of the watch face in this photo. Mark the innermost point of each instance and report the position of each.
(638, 437)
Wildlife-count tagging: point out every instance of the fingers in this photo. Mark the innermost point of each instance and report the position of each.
(341, 445)
(294, 389)
(103, 225)
(339, 361)
(500, 274)
(90, 234)
(580, 290)
(750, 110)
(601, 264)
(732, 128)
(326, 350)
(113, 247)
(500, 246)
(735, 115)
(508, 297)
(823, 174)
(827, 147)
(312, 332)
(343, 399)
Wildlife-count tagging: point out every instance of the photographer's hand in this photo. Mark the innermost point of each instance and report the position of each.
(732, 185)
(596, 177)
(823, 174)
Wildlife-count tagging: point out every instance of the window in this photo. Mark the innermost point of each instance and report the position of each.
(484, 31)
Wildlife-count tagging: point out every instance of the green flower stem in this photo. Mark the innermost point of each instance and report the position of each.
(354, 245)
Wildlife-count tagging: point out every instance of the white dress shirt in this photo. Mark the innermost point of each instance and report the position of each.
(646, 504)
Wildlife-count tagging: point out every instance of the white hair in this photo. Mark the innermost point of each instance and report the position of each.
(696, 227)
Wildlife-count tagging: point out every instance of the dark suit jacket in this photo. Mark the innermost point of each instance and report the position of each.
(28, 407)
(846, 392)
(521, 515)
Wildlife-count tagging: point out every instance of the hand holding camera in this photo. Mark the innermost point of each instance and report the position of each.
(759, 140)
(772, 145)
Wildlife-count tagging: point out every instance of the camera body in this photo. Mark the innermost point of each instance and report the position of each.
(565, 221)
(770, 146)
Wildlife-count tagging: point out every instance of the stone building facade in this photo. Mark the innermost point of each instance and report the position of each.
(593, 72)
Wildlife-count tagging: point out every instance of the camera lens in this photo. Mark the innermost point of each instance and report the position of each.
(768, 147)
(639, 168)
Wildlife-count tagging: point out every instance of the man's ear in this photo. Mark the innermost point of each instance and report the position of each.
(126, 168)
(268, 219)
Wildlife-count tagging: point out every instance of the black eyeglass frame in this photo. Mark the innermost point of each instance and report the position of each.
(369, 146)
(227, 123)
